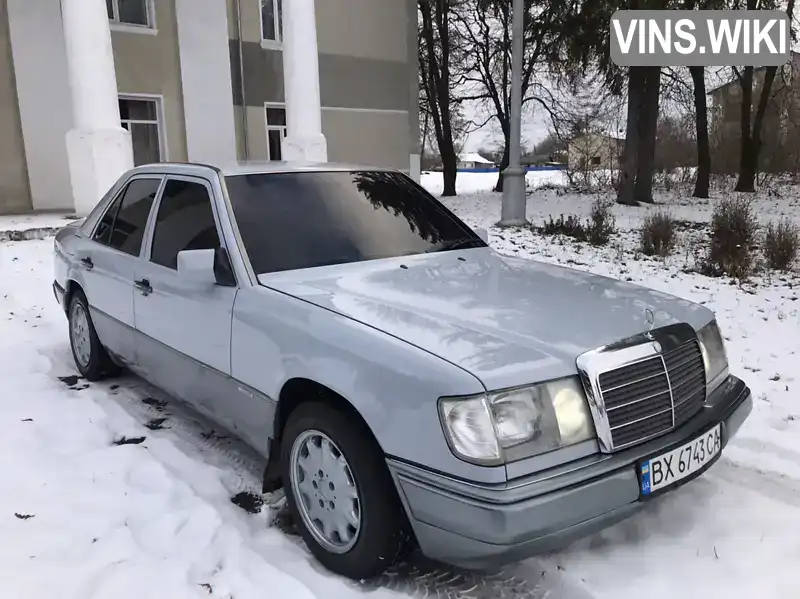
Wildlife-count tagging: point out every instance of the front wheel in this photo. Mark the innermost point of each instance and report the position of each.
(90, 356)
(340, 492)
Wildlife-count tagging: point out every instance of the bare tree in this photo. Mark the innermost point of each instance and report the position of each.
(485, 26)
(439, 58)
(587, 125)
(751, 130)
(647, 125)
(703, 179)
(684, 88)
(630, 156)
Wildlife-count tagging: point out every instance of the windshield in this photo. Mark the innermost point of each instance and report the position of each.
(305, 219)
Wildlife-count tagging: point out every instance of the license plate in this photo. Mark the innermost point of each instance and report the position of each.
(668, 468)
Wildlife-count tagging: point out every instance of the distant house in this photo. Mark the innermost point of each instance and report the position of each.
(542, 160)
(473, 160)
(780, 150)
(595, 151)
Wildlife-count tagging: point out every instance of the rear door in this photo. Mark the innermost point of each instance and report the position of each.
(108, 263)
(184, 331)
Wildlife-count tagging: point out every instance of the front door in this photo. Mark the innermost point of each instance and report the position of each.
(183, 330)
(108, 263)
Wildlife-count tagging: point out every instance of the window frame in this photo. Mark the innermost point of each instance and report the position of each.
(158, 100)
(150, 232)
(150, 29)
(111, 205)
(277, 43)
(118, 196)
(268, 127)
(98, 212)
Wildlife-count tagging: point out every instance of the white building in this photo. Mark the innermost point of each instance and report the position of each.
(89, 88)
(474, 160)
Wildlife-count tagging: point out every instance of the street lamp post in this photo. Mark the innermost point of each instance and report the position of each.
(512, 213)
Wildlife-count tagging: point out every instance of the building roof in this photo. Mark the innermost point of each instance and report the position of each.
(736, 80)
(474, 157)
(606, 136)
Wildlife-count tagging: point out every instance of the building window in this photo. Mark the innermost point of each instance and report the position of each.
(595, 160)
(130, 12)
(271, 21)
(143, 118)
(276, 130)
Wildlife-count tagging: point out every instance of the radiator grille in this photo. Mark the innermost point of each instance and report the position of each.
(655, 395)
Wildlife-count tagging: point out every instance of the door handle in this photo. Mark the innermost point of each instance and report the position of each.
(144, 286)
(87, 262)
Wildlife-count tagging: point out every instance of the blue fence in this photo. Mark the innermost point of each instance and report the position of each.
(552, 167)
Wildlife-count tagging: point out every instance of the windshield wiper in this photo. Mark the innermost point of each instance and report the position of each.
(458, 244)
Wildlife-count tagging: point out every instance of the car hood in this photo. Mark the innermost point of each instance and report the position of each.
(506, 320)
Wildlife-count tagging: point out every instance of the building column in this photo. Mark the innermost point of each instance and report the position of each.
(99, 150)
(204, 50)
(304, 141)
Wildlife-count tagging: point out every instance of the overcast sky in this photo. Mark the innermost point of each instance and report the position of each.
(489, 137)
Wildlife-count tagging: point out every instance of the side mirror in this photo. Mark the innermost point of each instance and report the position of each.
(483, 234)
(197, 266)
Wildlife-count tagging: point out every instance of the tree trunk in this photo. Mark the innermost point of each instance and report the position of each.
(758, 121)
(503, 166)
(648, 123)
(449, 171)
(630, 156)
(751, 144)
(703, 177)
(424, 141)
(747, 156)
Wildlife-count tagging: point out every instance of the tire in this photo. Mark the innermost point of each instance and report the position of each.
(383, 534)
(91, 358)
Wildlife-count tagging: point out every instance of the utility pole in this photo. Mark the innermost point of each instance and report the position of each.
(512, 213)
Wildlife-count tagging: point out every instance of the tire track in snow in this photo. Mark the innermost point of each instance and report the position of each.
(769, 484)
(241, 469)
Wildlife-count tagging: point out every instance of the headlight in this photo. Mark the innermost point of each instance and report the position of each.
(714, 357)
(509, 425)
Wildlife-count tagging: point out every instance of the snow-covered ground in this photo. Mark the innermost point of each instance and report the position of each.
(477, 182)
(82, 517)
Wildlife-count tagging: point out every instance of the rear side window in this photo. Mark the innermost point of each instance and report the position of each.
(131, 218)
(90, 222)
(185, 221)
(122, 225)
(103, 232)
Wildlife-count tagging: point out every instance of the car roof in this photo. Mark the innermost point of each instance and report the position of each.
(249, 168)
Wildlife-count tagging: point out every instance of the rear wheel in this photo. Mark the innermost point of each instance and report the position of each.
(340, 492)
(90, 356)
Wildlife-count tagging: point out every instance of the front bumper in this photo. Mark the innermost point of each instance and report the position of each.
(476, 525)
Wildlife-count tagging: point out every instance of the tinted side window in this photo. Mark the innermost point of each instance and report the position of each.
(185, 221)
(103, 232)
(137, 200)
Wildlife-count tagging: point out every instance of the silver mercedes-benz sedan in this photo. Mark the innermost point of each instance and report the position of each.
(406, 384)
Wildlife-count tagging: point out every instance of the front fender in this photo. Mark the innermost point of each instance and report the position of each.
(393, 385)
